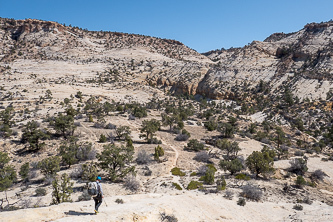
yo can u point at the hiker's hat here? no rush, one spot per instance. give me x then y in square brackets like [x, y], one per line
[98, 178]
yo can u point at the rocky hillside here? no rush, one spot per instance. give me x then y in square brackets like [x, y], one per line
[154, 59]
[302, 61]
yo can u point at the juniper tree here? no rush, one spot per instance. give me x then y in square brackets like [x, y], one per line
[49, 166]
[116, 161]
[64, 124]
[123, 132]
[6, 121]
[231, 148]
[24, 171]
[148, 129]
[7, 174]
[62, 189]
[261, 162]
[33, 135]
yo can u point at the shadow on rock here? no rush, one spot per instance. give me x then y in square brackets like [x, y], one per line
[75, 213]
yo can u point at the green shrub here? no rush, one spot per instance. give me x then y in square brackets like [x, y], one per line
[300, 181]
[194, 145]
[40, 192]
[119, 201]
[24, 171]
[102, 138]
[193, 174]
[49, 166]
[232, 166]
[242, 176]
[298, 207]
[212, 167]
[84, 196]
[221, 184]
[241, 202]
[208, 178]
[177, 186]
[159, 150]
[177, 172]
[194, 185]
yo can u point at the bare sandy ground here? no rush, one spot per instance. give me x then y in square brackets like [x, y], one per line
[185, 206]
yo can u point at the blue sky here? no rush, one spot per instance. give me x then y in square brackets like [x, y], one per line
[201, 25]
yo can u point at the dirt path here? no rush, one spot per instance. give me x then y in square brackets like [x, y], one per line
[92, 133]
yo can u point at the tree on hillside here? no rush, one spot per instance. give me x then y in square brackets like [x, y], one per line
[64, 124]
[169, 120]
[116, 161]
[123, 132]
[33, 135]
[261, 162]
[62, 189]
[7, 174]
[148, 129]
[231, 148]
[6, 121]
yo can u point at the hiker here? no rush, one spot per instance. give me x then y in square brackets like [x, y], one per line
[99, 198]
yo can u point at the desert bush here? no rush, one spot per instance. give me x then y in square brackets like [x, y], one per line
[154, 140]
[24, 171]
[159, 151]
[84, 196]
[209, 176]
[119, 201]
[40, 192]
[89, 172]
[182, 137]
[194, 145]
[115, 160]
[300, 181]
[49, 166]
[232, 166]
[76, 172]
[298, 207]
[131, 183]
[168, 218]
[202, 156]
[110, 126]
[298, 153]
[177, 186]
[143, 157]
[177, 172]
[202, 170]
[102, 138]
[307, 200]
[193, 174]
[85, 152]
[251, 192]
[242, 176]
[211, 125]
[261, 162]
[231, 148]
[221, 184]
[241, 202]
[62, 189]
[229, 194]
[194, 185]
[318, 175]
[26, 203]
[33, 174]
[298, 166]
